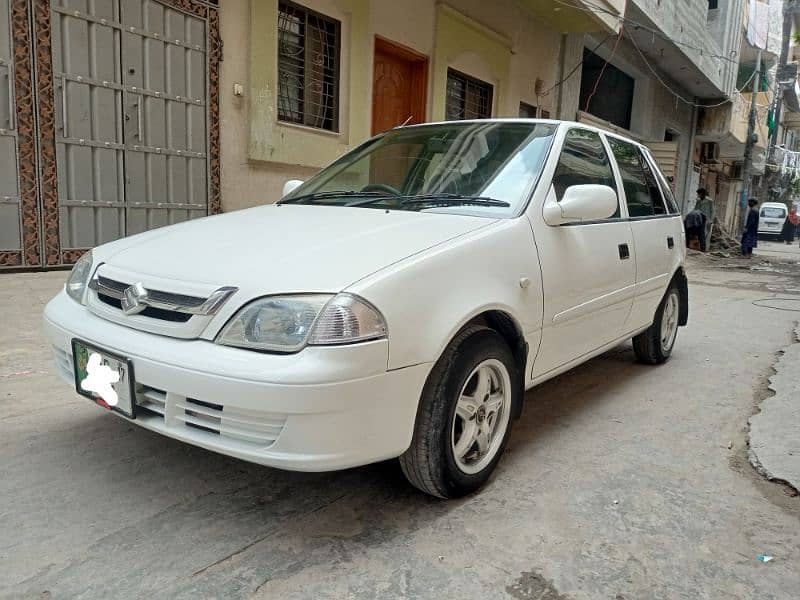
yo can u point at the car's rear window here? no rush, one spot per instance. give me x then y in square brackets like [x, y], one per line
[771, 212]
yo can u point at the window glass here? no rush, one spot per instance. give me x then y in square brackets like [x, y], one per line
[652, 186]
[634, 181]
[485, 158]
[527, 111]
[666, 192]
[467, 97]
[308, 67]
[773, 213]
[583, 161]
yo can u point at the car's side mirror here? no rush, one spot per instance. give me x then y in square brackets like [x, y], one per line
[291, 186]
[581, 203]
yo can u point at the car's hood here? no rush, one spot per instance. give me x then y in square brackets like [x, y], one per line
[286, 248]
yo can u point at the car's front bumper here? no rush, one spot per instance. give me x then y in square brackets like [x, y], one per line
[323, 408]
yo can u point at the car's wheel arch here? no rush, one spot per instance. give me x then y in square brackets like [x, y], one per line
[680, 281]
[508, 327]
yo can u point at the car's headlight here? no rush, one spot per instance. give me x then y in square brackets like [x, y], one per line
[79, 277]
[288, 323]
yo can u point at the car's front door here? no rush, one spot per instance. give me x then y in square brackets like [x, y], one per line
[588, 268]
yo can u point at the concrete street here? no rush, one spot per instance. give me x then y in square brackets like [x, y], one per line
[621, 481]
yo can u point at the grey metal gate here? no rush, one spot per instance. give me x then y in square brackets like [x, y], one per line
[10, 208]
[130, 85]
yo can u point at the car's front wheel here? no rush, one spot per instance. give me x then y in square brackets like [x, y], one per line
[654, 345]
[464, 418]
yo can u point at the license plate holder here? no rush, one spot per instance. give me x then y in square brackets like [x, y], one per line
[124, 388]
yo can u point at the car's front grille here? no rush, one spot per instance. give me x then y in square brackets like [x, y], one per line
[154, 313]
[245, 426]
[110, 292]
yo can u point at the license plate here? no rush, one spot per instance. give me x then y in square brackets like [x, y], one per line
[104, 378]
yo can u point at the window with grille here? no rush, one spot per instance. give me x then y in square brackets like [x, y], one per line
[527, 111]
[467, 97]
[308, 67]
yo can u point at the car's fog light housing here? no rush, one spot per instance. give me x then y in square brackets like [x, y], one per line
[347, 319]
[79, 278]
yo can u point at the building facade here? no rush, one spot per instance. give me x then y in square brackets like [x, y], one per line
[125, 115]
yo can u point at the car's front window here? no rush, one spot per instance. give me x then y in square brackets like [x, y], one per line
[478, 167]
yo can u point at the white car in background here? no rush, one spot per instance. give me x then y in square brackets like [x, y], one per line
[397, 304]
[771, 218]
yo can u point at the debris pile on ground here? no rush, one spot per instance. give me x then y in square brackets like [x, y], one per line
[722, 243]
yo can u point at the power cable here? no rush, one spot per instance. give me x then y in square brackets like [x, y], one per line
[637, 25]
[574, 69]
[603, 70]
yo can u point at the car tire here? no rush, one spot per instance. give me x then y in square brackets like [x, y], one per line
[654, 345]
[456, 405]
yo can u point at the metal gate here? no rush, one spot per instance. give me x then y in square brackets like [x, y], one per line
[118, 122]
[130, 79]
[10, 206]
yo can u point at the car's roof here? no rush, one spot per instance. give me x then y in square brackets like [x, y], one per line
[775, 204]
[556, 122]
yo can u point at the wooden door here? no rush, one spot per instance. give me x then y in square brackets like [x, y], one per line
[399, 86]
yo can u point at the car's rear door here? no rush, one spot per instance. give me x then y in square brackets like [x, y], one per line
[656, 228]
[588, 268]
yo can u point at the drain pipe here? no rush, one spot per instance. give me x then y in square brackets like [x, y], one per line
[689, 166]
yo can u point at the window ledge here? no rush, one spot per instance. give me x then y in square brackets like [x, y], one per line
[308, 129]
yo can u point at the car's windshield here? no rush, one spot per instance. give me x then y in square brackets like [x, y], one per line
[773, 212]
[477, 167]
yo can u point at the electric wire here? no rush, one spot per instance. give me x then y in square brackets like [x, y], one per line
[603, 69]
[594, 8]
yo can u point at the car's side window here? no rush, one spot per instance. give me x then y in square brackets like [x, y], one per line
[638, 192]
[666, 192]
[659, 207]
[583, 160]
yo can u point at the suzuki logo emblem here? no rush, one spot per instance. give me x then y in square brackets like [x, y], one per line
[133, 299]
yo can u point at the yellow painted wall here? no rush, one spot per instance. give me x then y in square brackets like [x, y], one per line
[467, 45]
[502, 42]
[291, 144]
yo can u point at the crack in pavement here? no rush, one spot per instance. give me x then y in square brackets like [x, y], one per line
[773, 440]
[246, 547]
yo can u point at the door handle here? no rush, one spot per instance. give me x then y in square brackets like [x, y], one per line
[11, 115]
[64, 107]
[670, 242]
[139, 119]
[624, 252]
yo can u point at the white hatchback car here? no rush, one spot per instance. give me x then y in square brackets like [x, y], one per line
[397, 304]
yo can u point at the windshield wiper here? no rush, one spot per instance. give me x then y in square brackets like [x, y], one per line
[442, 199]
[313, 197]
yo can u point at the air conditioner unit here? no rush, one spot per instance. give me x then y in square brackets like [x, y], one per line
[709, 153]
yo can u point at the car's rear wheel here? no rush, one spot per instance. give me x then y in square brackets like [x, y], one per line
[654, 345]
[464, 418]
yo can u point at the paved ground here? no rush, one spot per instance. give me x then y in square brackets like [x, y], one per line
[621, 481]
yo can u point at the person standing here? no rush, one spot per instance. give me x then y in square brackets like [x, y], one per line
[705, 204]
[750, 234]
[790, 226]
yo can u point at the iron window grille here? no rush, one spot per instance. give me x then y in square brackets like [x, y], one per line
[308, 67]
[467, 97]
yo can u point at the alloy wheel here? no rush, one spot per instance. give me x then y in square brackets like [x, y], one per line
[482, 416]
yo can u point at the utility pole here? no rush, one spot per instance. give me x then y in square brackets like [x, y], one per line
[747, 169]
